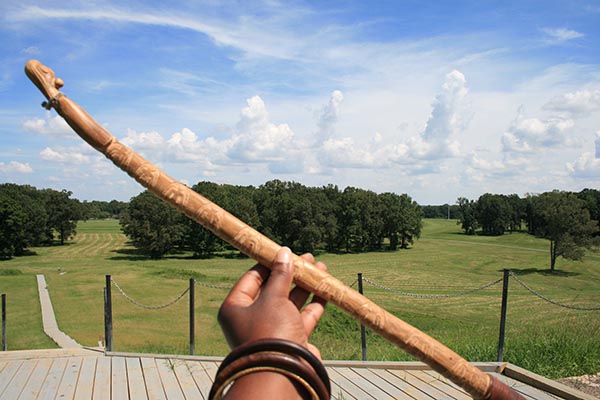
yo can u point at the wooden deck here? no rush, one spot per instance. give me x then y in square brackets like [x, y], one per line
[88, 374]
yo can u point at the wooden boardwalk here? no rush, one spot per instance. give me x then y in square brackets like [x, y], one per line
[88, 374]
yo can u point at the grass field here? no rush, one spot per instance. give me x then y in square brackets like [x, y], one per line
[542, 337]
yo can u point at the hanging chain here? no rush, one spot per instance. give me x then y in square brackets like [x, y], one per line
[556, 303]
[432, 296]
[133, 301]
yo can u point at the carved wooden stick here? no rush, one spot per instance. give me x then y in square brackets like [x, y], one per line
[262, 249]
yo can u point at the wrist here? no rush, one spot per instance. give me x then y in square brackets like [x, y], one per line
[271, 366]
[264, 385]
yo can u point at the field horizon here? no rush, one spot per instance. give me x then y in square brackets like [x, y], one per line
[423, 285]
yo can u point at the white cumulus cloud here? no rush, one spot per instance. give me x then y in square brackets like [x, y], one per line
[446, 122]
[65, 156]
[51, 125]
[143, 140]
[588, 164]
[257, 138]
[526, 135]
[15, 166]
[581, 102]
[329, 116]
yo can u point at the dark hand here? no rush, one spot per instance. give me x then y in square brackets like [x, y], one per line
[261, 305]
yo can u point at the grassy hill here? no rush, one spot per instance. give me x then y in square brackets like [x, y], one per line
[548, 339]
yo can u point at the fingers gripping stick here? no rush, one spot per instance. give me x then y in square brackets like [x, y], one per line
[261, 248]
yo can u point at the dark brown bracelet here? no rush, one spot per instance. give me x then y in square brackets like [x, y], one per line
[274, 355]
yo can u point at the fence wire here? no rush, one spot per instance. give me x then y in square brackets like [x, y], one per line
[556, 303]
[431, 296]
[147, 307]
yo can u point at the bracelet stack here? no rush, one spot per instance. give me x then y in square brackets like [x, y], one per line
[273, 355]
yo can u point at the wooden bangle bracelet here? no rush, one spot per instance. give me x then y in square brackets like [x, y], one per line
[274, 355]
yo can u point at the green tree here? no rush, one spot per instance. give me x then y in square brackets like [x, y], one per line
[33, 228]
[493, 214]
[562, 218]
[516, 211]
[154, 227]
[63, 213]
[13, 239]
[202, 242]
[466, 215]
[360, 223]
[591, 197]
[402, 219]
[411, 222]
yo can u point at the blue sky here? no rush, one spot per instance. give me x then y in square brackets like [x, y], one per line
[434, 99]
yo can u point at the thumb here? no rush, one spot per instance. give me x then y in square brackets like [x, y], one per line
[282, 274]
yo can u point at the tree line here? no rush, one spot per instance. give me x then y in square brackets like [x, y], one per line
[304, 218]
[33, 217]
[570, 221]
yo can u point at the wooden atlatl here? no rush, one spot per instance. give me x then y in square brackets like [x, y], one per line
[262, 249]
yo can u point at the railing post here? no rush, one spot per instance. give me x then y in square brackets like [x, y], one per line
[3, 322]
[192, 319]
[363, 337]
[503, 314]
[108, 342]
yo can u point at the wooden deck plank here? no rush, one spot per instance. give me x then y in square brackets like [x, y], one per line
[154, 385]
[137, 385]
[7, 374]
[53, 379]
[48, 353]
[169, 380]
[17, 384]
[525, 390]
[118, 378]
[348, 386]
[85, 380]
[458, 391]
[398, 381]
[362, 380]
[102, 379]
[203, 373]
[418, 384]
[394, 390]
[186, 380]
[66, 390]
[36, 379]
[82, 376]
[557, 389]
[438, 383]
[337, 393]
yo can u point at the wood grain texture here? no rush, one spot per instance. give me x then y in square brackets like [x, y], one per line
[256, 245]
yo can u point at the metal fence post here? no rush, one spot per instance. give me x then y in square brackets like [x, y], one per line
[503, 314]
[3, 322]
[363, 337]
[192, 319]
[108, 342]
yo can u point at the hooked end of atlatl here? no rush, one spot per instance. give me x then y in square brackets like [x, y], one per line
[44, 78]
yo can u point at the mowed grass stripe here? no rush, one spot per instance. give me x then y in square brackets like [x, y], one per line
[92, 241]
